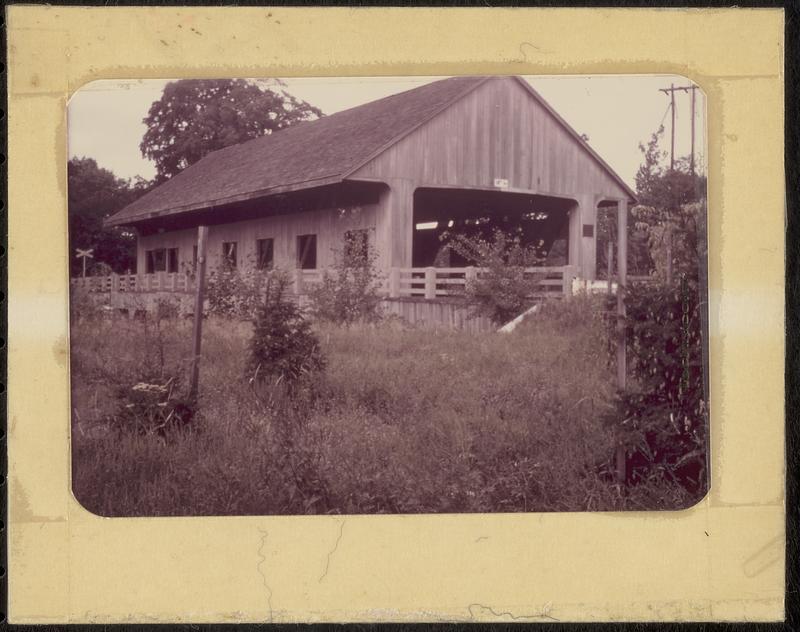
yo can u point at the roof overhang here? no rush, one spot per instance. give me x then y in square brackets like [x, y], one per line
[117, 220]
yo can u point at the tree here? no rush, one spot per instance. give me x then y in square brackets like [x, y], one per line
[196, 116]
[661, 417]
[504, 289]
[283, 348]
[350, 292]
[94, 194]
[670, 211]
[662, 194]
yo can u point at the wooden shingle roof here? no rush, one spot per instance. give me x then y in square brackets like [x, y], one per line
[309, 154]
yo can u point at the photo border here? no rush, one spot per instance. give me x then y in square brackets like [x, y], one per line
[431, 569]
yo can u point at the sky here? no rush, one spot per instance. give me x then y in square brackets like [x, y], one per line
[616, 112]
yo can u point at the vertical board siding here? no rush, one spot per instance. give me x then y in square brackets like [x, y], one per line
[436, 314]
[497, 131]
[328, 224]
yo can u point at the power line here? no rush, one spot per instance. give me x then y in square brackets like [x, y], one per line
[671, 92]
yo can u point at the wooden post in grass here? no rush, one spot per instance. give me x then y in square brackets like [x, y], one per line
[430, 283]
[199, 298]
[622, 278]
[668, 236]
[567, 277]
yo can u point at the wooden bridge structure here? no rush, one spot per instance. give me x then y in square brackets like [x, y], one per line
[429, 296]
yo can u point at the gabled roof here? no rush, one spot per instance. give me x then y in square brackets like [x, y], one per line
[309, 154]
[313, 153]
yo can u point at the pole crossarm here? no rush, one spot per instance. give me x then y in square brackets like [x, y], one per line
[671, 92]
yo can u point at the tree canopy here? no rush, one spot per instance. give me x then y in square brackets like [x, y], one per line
[664, 196]
[95, 193]
[196, 116]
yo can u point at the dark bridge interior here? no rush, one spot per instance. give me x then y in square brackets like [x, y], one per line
[440, 214]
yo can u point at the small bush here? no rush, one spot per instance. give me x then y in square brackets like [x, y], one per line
[283, 347]
[349, 292]
[82, 306]
[235, 293]
[503, 290]
[159, 325]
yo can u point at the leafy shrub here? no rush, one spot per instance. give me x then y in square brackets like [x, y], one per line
[82, 306]
[158, 326]
[283, 347]
[503, 290]
[152, 406]
[234, 292]
[683, 227]
[349, 292]
[664, 410]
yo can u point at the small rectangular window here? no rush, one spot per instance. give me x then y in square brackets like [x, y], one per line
[356, 245]
[264, 251]
[156, 261]
[588, 230]
[229, 253]
[172, 260]
[307, 252]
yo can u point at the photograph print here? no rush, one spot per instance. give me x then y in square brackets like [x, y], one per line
[388, 295]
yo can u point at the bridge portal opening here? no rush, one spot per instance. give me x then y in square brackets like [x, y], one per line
[440, 214]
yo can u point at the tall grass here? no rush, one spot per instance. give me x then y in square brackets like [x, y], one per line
[403, 420]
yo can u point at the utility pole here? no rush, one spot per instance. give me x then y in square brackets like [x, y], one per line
[197, 333]
[672, 127]
[671, 92]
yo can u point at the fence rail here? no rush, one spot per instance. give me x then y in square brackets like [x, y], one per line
[158, 282]
[429, 283]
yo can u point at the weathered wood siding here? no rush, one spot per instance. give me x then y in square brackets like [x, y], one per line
[499, 130]
[436, 314]
[329, 225]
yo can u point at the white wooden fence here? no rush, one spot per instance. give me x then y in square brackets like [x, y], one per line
[427, 283]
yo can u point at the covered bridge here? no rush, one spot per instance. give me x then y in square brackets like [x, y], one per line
[462, 154]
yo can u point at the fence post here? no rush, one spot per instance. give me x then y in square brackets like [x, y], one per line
[199, 299]
[567, 275]
[669, 253]
[394, 282]
[470, 275]
[298, 280]
[430, 282]
[114, 283]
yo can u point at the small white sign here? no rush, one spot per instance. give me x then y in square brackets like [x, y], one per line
[501, 183]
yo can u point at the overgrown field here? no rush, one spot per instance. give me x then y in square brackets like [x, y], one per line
[402, 420]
